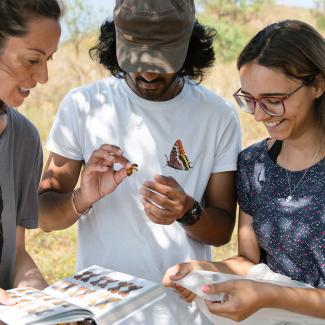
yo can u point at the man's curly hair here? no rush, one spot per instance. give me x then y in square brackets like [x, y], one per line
[200, 55]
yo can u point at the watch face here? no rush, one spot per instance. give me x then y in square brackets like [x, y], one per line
[191, 217]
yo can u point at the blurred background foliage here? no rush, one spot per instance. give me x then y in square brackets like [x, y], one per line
[236, 21]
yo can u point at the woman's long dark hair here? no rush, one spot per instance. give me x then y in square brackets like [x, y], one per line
[200, 55]
[293, 47]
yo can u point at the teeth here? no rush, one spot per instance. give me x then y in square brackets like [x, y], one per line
[24, 89]
[272, 124]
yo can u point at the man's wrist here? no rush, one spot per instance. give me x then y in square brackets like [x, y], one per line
[78, 206]
[192, 216]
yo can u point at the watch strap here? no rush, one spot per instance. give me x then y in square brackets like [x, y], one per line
[192, 216]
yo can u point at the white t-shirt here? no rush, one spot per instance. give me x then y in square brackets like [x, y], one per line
[117, 233]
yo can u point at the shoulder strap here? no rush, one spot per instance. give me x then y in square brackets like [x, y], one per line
[274, 151]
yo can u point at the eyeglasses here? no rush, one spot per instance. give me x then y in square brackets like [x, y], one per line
[272, 105]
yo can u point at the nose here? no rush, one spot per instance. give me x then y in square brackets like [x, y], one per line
[149, 76]
[259, 114]
[41, 75]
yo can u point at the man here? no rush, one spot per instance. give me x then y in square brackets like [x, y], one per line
[183, 138]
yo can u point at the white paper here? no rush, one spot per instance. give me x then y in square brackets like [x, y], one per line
[267, 316]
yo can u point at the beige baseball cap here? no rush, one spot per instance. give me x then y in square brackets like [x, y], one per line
[153, 35]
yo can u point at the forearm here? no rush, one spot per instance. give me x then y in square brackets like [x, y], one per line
[214, 227]
[26, 272]
[56, 211]
[299, 300]
[235, 265]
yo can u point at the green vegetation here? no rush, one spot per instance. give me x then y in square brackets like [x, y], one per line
[319, 13]
[228, 17]
[235, 24]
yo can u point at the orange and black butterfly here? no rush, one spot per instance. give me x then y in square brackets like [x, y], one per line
[177, 158]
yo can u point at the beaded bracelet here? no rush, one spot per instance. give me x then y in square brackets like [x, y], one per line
[74, 205]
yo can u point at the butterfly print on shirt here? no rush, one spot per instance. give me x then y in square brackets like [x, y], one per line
[177, 158]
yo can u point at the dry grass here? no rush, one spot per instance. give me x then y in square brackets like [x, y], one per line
[55, 252]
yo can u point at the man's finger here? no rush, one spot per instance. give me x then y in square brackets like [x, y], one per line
[166, 180]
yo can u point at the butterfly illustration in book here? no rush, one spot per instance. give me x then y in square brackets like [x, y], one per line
[178, 158]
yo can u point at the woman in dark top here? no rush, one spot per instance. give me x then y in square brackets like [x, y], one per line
[29, 35]
[281, 180]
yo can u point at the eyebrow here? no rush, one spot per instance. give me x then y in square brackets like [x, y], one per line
[37, 50]
[41, 51]
[264, 94]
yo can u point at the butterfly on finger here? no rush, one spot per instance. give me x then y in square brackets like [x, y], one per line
[177, 157]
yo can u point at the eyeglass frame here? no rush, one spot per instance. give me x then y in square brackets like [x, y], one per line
[257, 100]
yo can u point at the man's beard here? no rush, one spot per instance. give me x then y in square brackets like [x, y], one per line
[155, 94]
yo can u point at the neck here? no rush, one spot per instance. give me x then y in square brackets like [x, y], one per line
[302, 152]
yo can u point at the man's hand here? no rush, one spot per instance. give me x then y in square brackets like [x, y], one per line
[242, 298]
[169, 203]
[98, 177]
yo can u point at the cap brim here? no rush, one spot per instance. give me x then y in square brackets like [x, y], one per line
[139, 58]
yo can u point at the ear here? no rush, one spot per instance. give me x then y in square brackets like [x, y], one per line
[319, 86]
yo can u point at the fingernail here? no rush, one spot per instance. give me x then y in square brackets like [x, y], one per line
[142, 191]
[205, 288]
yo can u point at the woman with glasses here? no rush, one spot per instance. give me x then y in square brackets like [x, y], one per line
[281, 180]
[29, 35]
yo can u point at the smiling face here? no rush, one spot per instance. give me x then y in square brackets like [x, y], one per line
[23, 60]
[258, 81]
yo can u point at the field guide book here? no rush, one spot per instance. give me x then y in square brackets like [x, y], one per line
[96, 293]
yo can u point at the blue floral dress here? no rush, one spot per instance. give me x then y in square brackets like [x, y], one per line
[292, 232]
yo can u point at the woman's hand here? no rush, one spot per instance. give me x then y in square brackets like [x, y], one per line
[5, 299]
[242, 298]
[179, 271]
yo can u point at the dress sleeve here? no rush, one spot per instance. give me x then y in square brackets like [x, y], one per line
[64, 137]
[243, 184]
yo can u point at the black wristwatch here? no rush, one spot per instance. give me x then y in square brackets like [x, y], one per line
[192, 216]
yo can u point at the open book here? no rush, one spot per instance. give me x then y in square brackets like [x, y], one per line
[95, 293]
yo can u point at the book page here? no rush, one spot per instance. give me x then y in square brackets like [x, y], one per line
[34, 306]
[105, 291]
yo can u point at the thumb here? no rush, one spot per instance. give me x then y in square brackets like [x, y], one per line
[222, 287]
[180, 272]
[175, 273]
[120, 174]
[5, 299]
